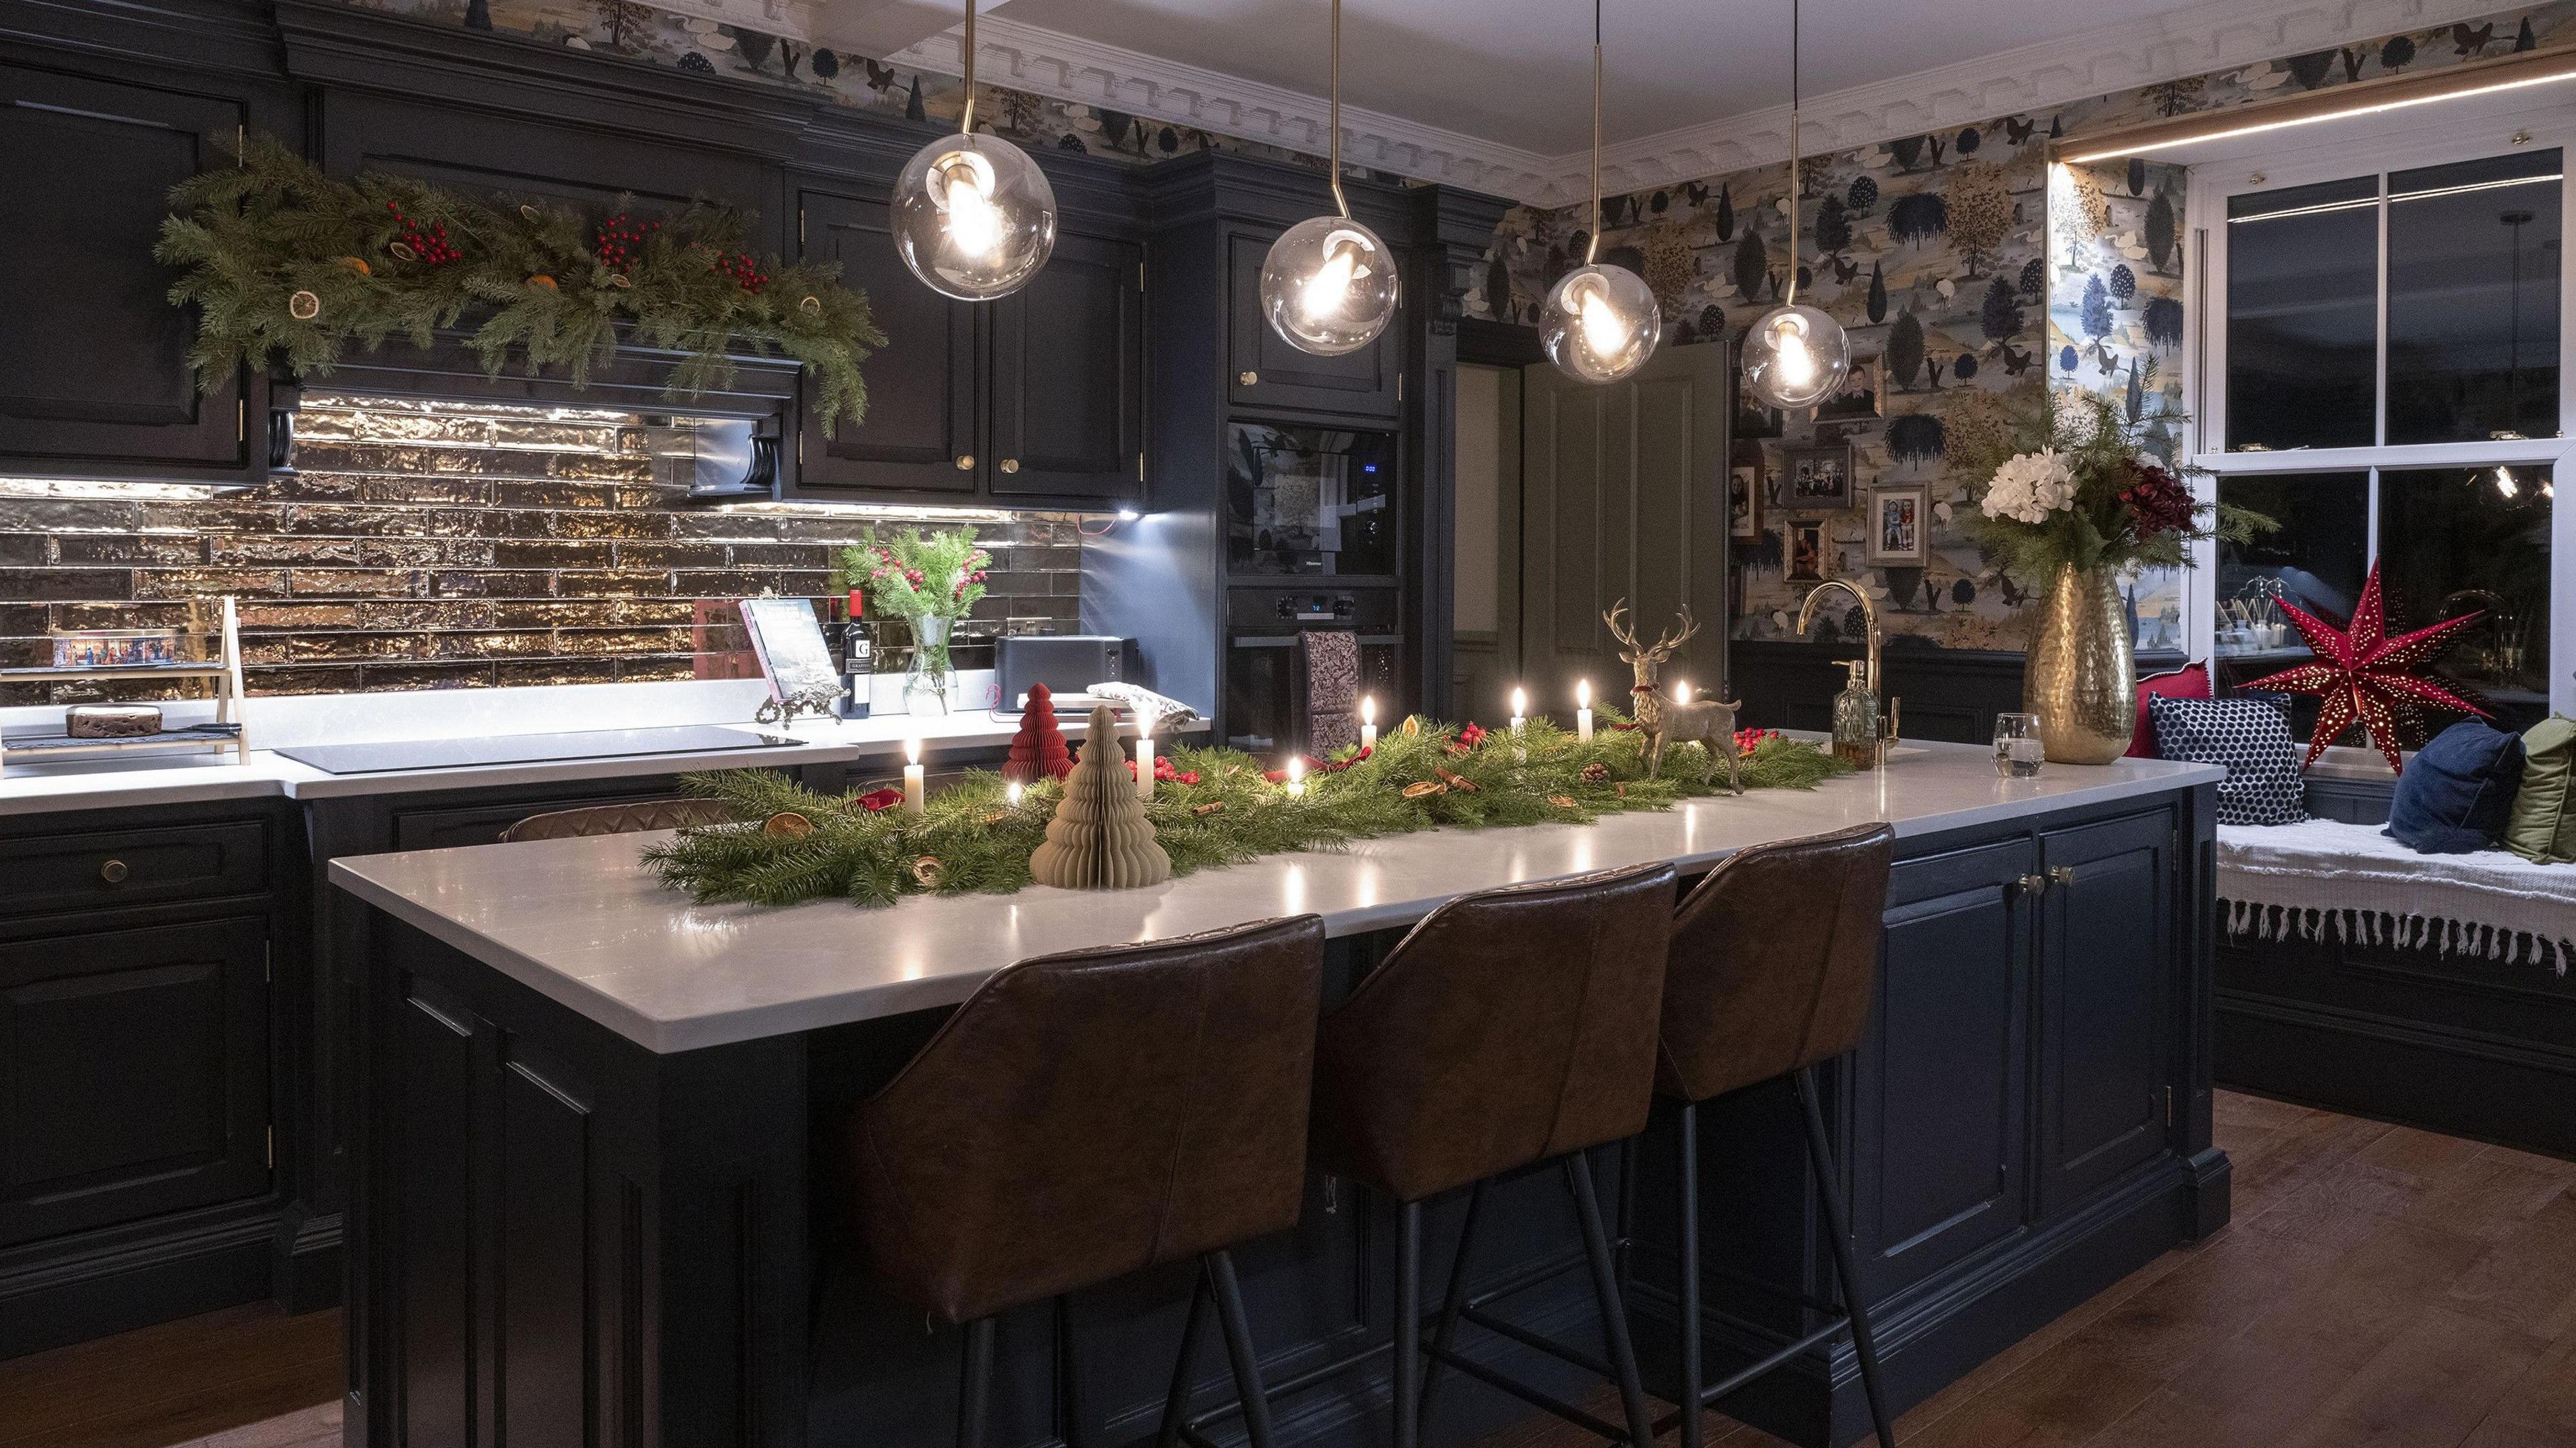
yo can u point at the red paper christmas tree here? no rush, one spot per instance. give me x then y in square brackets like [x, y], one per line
[1037, 751]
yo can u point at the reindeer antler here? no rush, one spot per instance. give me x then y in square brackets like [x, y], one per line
[1623, 635]
[1668, 641]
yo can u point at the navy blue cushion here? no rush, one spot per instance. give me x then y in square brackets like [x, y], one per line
[2457, 793]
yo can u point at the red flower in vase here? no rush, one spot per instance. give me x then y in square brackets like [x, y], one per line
[2158, 501]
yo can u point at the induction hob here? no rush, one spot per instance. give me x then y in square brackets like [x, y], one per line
[527, 748]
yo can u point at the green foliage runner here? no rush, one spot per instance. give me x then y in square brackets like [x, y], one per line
[971, 838]
[281, 260]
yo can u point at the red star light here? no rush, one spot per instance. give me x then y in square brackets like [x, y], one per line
[2362, 673]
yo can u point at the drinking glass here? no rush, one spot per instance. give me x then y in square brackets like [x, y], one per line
[2018, 747]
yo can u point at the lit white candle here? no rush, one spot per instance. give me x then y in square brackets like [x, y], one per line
[1011, 793]
[1368, 721]
[1583, 710]
[1144, 757]
[1520, 709]
[1297, 775]
[1681, 692]
[915, 791]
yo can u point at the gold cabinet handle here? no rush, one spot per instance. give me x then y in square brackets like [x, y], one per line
[1010, 465]
[113, 872]
[1248, 379]
[965, 462]
[2062, 875]
[2031, 884]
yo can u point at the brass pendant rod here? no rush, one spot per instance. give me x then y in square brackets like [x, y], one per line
[966, 121]
[1341, 203]
[1592, 248]
[1790, 299]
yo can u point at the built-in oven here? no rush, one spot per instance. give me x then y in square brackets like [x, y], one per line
[1309, 502]
[1266, 664]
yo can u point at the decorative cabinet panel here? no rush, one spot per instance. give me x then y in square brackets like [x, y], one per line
[137, 1078]
[1264, 371]
[1941, 1085]
[2108, 927]
[923, 385]
[1036, 398]
[1067, 362]
[94, 372]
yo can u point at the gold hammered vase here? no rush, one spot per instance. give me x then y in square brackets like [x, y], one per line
[2081, 678]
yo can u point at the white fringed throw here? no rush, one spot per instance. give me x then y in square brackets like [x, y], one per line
[2322, 877]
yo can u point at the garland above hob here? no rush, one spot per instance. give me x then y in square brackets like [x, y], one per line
[283, 261]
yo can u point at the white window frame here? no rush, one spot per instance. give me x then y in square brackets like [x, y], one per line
[2210, 187]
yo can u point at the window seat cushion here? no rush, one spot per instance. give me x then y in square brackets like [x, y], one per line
[2325, 877]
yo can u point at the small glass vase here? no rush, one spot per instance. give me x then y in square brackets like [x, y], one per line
[929, 685]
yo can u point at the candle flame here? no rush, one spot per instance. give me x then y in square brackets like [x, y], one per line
[912, 750]
[1681, 692]
[1368, 708]
[1583, 693]
[1520, 703]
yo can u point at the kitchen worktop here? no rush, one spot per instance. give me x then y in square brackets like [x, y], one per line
[167, 779]
[583, 921]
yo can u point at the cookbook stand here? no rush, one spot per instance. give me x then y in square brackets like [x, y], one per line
[215, 642]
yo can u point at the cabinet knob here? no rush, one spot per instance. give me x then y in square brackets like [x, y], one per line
[2062, 875]
[2031, 884]
[1010, 465]
[113, 871]
[1248, 379]
[965, 462]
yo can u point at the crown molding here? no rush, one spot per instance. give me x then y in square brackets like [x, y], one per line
[1067, 67]
[2214, 36]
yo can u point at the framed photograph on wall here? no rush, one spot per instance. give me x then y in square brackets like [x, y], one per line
[1744, 502]
[1897, 525]
[1862, 395]
[1817, 476]
[1806, 554]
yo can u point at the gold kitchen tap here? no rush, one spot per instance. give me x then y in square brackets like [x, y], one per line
[1887, 707]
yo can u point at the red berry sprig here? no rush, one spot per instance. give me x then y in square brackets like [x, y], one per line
[743, 269]
[616, 240]
[427, 245]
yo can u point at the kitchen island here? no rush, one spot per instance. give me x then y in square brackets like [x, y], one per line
[598, 1200]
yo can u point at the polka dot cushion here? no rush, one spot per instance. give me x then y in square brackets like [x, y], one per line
[2251, 736]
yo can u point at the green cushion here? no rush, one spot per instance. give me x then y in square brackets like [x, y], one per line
[2542, 827]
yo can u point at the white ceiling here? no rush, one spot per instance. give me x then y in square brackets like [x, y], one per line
[1495, 94]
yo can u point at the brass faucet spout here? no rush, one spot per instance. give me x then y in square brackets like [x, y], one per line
[1869, 618]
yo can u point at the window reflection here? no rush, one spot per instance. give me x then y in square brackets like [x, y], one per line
[2458, 540]
[2303, 316]
[2473, 262]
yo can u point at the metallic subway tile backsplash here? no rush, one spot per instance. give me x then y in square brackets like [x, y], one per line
[445, 545]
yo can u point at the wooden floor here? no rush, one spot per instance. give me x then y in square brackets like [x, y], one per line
[2380, 1287]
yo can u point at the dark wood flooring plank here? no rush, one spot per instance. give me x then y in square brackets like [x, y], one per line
[2430, 1388]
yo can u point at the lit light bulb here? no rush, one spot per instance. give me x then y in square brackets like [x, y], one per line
[974, 217]
[1796, 357]
[1328, 286]
[2505, 483]
[1601, 323]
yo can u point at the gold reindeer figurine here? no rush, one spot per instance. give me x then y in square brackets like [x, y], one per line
[1662, 720]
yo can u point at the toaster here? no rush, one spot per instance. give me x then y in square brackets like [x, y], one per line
[1065, 663]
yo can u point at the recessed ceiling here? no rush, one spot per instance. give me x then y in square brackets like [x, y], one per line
[1518, 72]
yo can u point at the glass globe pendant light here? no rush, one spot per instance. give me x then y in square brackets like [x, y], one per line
[1601, 321]
[1795, 356]
[974, 217]
[1328, 285]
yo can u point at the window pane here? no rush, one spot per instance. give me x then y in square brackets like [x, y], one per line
[2453, 540]
[2303, 316]
[2473, 264]
[2316, 559]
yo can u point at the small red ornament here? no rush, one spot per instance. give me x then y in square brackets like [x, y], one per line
[1037, 750]
[880, 799]
[1472, 734]
[2361, 672]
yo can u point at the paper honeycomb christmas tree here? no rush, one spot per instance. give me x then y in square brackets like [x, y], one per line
[1100, 838]
[1037, 751]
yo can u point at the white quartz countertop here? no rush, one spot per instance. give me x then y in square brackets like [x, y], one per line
[180, 779]
[584, 922]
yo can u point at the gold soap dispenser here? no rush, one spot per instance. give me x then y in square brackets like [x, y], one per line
[1856, 731]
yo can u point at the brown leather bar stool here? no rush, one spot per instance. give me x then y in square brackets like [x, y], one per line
[1088, 1115]
[1774, 963]
[1509, 1029]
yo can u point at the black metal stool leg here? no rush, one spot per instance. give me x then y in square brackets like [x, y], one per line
[1070, 1427]
[1820, 1155]
[1238, 1348]
[1614, 1314]
[1444, 1336]
[1176, 1406]
[1408, 1326]
[975, 1384]
[1692, 1411]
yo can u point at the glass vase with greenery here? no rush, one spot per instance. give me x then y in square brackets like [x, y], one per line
[929, 580]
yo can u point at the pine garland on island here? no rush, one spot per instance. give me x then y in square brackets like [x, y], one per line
[282, 261]
[1216, 807]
